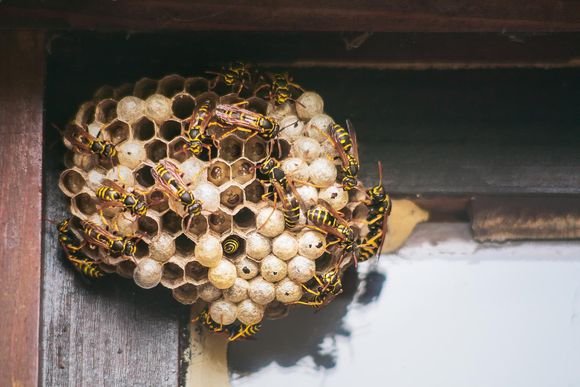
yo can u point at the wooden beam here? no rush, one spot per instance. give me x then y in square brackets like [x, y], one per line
[21, 112]
[278, 15]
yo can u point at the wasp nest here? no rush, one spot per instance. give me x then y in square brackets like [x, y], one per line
[237, 255]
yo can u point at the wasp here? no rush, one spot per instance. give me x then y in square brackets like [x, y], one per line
[114, 244]
[380, 205]
[83, 141]
[85, 265]
[195, 135]
[230, 245]
[114, 195]
[206, 321]
[243, 331]
[344, 142]
[67, 238]
[237, 76]
[168, 176]
[72, 246]
[283, 189]
[247, 121]
[329, 221]
[280, 88]
[329, 286]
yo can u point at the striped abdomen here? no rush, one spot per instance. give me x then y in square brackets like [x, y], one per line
[342, 137]
[321, 217]
[243, 331]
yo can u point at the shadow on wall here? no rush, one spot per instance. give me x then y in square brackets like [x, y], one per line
[302, 333]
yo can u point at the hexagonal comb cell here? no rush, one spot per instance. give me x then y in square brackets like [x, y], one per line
[156, 150]
[172, 275]
[106, 111]
[196, 86]
[144, 129]
[198, 225]
[230, 99]
[280, 149]
[145, 88]
[177, 149]
[142, 249]
[171, 222]
[257, 105]
[254, 192]
[220, 222]
[103, 92]
[71, 182]
[195, 271]
[147, 226]
[170, 129]
[182, 106]
[243, 171]
[232, 197]
[245, 218]
[116, 132]
[123, 91]
[184, 246]
[324, 263]
[126, 269]
[186, 294]
[218, 173]
[85, 204]
[233, 246]
[171, 85]
[276, 310]
[230, 148]
[86, 113]
[256, 149]
[346, 213]
[143, 176]
[157, 201]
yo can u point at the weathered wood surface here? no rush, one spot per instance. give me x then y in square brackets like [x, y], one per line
[21, 109]
[330, 49]
[105, 333]
[328, 15]
[498, 219]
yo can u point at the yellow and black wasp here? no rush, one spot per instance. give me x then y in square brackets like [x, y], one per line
[329, 221]
[116, 245]
[196, 139]
[243, 331]
[72, 246]
[329, 285]
[206, 321]
[380, 205]
[82, 141]
[113, 195]
[246, 121]
[168, 176]
[281, 88]
[345, 144]
[236, 75]
[283, 189]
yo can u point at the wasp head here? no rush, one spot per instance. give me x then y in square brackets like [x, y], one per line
[129, 248]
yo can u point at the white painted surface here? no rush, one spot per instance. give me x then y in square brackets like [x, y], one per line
[454, 313]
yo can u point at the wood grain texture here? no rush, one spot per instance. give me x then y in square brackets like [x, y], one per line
[21, 109]
[108, 332]
[498, 219]
[279, 15]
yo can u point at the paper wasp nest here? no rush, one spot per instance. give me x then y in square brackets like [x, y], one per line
[265, 273]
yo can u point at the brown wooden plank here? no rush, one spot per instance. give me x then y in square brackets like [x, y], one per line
[21, 110]
[499, 219]
[328, 15]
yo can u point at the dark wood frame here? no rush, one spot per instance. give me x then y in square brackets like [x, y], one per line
[22, 82]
